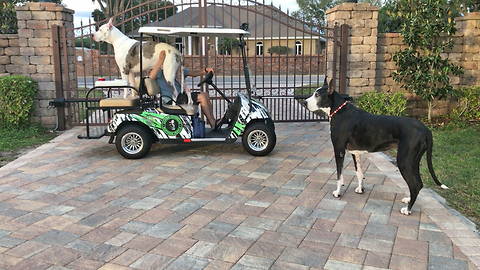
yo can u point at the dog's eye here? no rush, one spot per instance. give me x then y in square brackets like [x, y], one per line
[316, 94]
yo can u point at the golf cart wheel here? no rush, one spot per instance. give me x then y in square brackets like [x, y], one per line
[258, 139]
[133, 142]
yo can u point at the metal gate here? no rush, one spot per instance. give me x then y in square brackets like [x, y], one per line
[287, 56]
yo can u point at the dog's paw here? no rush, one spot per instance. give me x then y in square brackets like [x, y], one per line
[406, 200]
[336, 194]
[405, 211]
[359, 190]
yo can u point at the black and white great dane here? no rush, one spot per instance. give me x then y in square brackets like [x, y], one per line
[360, 132]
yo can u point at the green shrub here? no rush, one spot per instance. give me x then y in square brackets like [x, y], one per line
[279, 50]
[468, 103]
[383, 103]
[17, 95]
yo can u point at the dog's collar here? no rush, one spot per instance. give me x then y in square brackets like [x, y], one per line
[338, 109]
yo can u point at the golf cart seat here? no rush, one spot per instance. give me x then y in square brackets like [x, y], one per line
[118, 101]
[153, 89]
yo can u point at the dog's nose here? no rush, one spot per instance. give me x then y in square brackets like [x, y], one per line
[305, 102]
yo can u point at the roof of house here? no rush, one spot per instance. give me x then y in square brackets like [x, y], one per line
[264, 21]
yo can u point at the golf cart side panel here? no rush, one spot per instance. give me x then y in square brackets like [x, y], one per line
[259, 111]
[164, 126]
[245, 116]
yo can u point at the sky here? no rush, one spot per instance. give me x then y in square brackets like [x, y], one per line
[84, 8]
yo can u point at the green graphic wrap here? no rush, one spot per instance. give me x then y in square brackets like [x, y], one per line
[149, 119]
[238, 128]
[172, 125]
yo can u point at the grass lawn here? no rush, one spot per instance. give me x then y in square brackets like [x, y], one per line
[14, 143]
[456, 159]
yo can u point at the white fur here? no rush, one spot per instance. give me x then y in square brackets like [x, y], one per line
[340, 183]
[311, 104]
[359, 189]
[358, 153]
[405, 211]
[122, 44]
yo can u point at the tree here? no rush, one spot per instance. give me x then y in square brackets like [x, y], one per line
[386, 23]
[314, 11]
[427, 27]
[129, 11]
[8, 15]
[111, 7]
[226, 45]
[467, 6]
[8, 19]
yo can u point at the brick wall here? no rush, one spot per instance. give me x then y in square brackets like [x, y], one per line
[30, 52]
[362, 20]
[370, 64]
[9, 54]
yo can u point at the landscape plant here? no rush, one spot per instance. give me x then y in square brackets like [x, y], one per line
[427, 27]
[383, 103]
[279, 50]
[468, 103]
[17, 94]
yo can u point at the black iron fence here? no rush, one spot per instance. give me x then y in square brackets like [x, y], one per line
[287, 56]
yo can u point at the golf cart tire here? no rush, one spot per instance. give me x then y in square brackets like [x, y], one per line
[259, 139]
[133, 141]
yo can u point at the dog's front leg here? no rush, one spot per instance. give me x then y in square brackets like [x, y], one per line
[131, 80]
[125, 77]
[339, 157]
[358, 169]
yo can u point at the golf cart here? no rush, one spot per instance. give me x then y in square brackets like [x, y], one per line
[136, 123]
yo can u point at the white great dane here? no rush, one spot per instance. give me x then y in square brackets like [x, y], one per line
[127, 56]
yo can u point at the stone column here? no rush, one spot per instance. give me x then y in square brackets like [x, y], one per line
[362, 20]
[35, 21]
[466, 51]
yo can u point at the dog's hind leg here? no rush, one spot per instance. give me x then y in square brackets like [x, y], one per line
[408, 160]
[358, 169]
[185, 87]
[125, 77]
[339, 158]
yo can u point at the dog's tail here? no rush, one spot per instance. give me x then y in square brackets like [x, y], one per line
[429, 160]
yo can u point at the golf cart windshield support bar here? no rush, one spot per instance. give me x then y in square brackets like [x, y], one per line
[241, 44]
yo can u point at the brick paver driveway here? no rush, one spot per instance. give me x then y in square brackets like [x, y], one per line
[76, 204]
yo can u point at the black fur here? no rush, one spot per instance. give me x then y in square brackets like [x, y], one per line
[355, 129]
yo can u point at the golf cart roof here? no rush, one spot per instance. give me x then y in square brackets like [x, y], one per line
[195, 31]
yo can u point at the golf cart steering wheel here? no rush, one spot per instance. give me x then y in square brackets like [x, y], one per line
[206, 79]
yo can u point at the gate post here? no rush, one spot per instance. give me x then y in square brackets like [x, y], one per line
[361, 48]
[35, 23]
[343, 59]
[58, 75]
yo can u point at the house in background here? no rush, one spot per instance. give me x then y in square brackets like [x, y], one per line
[270, 29]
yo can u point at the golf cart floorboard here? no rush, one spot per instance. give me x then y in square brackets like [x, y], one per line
[94, 133]
[221, 133]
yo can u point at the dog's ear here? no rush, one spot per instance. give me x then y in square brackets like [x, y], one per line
[325, 81]
[330, 87]
[110, 23]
